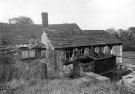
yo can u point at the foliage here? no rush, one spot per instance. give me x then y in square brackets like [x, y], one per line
[6, 60]
[126, 36]
[6, 72]
[28, 70]
[21, 20]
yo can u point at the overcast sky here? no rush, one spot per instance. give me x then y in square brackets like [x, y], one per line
[88, 14]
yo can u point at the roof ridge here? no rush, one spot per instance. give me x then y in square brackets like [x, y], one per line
[39, 24]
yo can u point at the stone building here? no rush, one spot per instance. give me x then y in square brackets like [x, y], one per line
[63, 40]
[61, 45]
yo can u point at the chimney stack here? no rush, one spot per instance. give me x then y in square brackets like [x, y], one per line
[44, 19]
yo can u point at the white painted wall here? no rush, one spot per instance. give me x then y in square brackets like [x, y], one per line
[117, 51]
[46, 41]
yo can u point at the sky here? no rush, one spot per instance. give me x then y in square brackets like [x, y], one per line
[88, 14]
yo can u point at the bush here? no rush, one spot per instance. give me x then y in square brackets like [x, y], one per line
[6, 72]
[31, 69]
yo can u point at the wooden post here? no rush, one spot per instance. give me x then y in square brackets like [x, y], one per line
[44, 67]
[76, 70]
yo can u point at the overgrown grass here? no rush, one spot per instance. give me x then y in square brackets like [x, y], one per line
[130, 57]
[63, 86]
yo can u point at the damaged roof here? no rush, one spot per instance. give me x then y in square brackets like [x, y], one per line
[20, 33]
[60, 35]
[80, 38]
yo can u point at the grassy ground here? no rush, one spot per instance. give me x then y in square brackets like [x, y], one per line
[129, 57]
[63, 86]
[68, 86]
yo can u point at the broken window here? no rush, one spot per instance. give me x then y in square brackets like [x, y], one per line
[91, 50]
[105, 51]
[97, 49]
[80, 51]
[27, 53]
[110, 49]
[24, 54]
[31, 53]
[101, 49]
[86, 51]
[38, 53]
[68, 54]
[43, 53]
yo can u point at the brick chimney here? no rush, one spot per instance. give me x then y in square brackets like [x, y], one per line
[44, 19]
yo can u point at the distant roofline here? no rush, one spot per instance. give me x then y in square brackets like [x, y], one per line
[37, 24]
[93, 30]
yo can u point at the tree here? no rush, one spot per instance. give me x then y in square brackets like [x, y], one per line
[132, 29]
[113, 31]
[21, 20]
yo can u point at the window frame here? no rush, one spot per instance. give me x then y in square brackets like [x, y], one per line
[43, 53]
[33, 53]
[81, 51]
[96, 49]
[68, 53]
[24, 54]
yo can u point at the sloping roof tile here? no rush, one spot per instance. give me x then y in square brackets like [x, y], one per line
[20, 33]
[60, 35]
[82, 38]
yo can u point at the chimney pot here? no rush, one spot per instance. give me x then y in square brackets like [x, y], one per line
[44, 19]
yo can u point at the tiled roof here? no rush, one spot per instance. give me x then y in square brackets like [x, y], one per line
[60, 35]
[81, 38]
[20, 33]
[64, 28]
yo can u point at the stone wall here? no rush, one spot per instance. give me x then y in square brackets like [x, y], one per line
[117, 51]
[50, 56]
[59, 62]
[68, 69]
[55, 58]
[51, 63]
